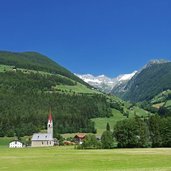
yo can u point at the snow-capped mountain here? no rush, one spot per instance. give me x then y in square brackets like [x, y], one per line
[105, 83]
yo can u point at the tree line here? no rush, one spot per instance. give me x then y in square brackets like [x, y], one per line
[134, 132]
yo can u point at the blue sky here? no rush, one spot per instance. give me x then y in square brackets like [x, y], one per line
[108, 37]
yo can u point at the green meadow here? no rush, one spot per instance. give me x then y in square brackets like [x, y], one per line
[79, 88]
[70, 159]
[100, 123]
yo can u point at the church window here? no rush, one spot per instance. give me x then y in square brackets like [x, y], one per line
[42, 142]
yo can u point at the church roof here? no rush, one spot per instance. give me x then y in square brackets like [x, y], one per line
[50, 116]
[42, 137]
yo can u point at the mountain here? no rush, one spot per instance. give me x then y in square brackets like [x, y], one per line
[149, 81]
[105, 83]
[31, 83]
[35, 61]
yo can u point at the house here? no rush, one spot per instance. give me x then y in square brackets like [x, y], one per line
[15, 144]
[44, 139]
[79, 138]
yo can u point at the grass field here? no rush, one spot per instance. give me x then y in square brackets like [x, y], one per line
[168, 104]
[100, 123]
[5, 68]
[79, 88]
[69, 159]
[158, 105]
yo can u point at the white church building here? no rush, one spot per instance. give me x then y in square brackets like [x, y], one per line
[44, 139]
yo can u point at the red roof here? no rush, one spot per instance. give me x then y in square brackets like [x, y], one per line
[50, 116]
[80, 135]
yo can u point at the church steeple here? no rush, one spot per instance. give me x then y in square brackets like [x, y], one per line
[50, 117]
[50, 124]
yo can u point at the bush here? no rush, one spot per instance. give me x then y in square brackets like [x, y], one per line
[90, 142]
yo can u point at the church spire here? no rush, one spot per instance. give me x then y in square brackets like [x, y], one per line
[50, 116]
[50, 124]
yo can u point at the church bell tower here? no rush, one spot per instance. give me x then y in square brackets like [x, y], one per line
[50, 124]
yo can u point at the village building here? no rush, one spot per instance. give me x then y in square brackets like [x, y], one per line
[44, 139]
[15, 144]
[79, 138]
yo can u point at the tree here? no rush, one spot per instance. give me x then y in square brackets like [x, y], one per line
[59, 138]
[107, 127]
[165, 131]
[155, 134]
[131, 133]
[107, 140]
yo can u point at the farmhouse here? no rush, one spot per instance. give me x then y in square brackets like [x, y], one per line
[15, 144]
[79, 138]
[44, 139]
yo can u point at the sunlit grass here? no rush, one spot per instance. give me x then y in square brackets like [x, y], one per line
[79, 88]
[69, 159]
[100, 123]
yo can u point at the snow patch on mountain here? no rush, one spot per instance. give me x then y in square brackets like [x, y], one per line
[125, 77]
[105, 83]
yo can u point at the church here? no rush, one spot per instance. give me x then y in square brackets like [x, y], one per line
[44, 139]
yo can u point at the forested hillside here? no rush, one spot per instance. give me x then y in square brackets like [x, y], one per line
[147, 83]
[29, 90]
[35, 61]
[31, 84]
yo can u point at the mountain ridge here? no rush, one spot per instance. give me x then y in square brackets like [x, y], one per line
[105, 83]
[147, 82]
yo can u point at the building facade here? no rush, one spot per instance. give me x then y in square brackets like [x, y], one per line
[79, 138]
[15, 144]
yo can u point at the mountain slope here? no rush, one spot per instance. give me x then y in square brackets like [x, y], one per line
[35, 61]
[27, 92]
[154, 78]
[30, 84]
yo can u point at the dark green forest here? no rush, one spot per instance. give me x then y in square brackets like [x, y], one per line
[142, 132]
[26, 99]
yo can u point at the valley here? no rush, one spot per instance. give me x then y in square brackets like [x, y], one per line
[28, 91]
[85, 85]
